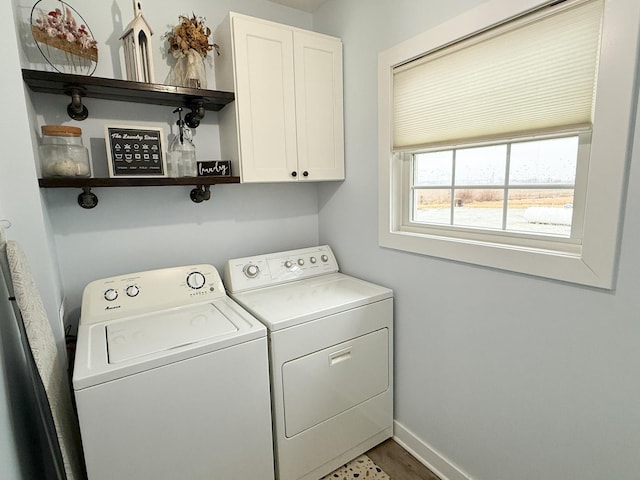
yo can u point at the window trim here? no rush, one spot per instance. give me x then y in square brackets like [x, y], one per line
[594, 263]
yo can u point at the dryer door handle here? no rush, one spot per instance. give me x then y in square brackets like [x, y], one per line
[340, 356]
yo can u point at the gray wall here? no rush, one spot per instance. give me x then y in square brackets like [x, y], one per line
[506, 376]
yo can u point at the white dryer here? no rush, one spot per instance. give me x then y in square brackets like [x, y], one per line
[171, 380]
[331, 351]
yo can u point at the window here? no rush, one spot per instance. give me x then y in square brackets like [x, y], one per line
[525, 188]
[504, 136]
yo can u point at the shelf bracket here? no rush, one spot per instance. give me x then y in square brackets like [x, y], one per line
[192, 119]
[87, 199]
[200, 193]
[76, 109]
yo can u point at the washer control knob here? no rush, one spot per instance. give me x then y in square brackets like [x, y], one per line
[251, 270]
[110, 295]
[288, 264]
[313, 260]
[133, 290]
[324, 258]
[300, 262]
[195, 280]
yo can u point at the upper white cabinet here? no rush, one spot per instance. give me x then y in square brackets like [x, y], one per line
[287, 121]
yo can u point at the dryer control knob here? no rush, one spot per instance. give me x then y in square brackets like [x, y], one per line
[324, 258]
[110, 295]
[251, 270]
[132, 290]
[288, 264]
[196, 280]
[300, 262]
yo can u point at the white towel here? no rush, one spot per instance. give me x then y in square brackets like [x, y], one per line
[48, 361]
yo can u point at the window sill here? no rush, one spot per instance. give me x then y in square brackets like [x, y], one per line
[563, 266]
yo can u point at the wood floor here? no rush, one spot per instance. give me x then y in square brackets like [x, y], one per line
[398, 463]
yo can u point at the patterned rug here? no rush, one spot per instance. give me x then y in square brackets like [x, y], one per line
[360, 468]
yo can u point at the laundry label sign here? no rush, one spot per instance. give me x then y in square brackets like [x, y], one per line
[218, 168]
[135, 151]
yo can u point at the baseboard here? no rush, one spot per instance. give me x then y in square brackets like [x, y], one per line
[426, 455]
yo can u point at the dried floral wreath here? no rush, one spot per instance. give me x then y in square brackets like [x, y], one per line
[61, 30]
[190, 34]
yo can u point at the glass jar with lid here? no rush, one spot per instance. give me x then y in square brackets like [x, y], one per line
[62, 153]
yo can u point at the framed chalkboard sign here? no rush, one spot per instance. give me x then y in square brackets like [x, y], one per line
[135, 151]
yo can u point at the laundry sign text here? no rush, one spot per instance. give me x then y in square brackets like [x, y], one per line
[218, 168]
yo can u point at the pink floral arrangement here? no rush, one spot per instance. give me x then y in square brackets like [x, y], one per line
[57, 27]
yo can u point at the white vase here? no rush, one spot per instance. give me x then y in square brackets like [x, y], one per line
[189, 71]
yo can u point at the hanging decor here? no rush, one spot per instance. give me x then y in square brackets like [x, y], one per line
[189, 45]
[136, 41]
[63, 37]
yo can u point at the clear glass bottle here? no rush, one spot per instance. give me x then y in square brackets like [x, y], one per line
[62, 153]
[174, 157]
[182, 152]
[188, 165]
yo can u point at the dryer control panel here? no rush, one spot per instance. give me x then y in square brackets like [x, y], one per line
[248, 273]
[150, 291]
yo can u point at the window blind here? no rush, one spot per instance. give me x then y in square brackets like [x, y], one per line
[536, 73]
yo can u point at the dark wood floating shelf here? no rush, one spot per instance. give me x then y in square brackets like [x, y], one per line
[54, 182]
[87, 199]
[125, 90]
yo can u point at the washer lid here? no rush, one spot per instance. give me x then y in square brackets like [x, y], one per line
[139, 336]
[286, 305]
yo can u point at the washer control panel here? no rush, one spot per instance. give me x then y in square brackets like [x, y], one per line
[274, 268]
[150, 291]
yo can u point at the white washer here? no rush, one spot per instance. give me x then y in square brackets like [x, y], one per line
[171, 379]
[331, 351]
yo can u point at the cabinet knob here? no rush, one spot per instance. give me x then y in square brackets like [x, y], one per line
[305, 174]
[294, 174]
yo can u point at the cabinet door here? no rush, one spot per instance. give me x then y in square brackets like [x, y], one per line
[318, 76]
[265, 105]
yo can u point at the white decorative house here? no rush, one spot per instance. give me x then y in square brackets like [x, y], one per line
[136, 41]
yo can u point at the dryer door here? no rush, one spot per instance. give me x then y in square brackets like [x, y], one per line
[326, 383]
